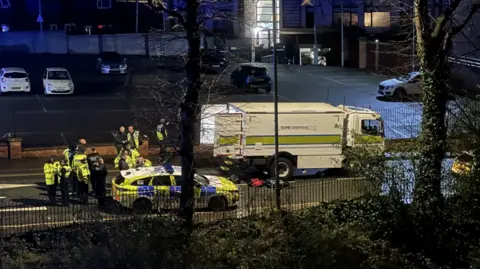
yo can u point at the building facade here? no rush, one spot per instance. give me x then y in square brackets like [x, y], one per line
[103, 16]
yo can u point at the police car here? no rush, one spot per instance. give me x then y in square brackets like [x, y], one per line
[159, 187]
[462, 164]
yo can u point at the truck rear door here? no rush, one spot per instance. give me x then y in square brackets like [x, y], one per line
[228, 134]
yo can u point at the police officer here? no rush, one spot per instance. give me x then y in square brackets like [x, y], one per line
[123, 161]
[56, 165]
[77, 161]
[133, 138]
[49, 170]
[161, 135]
[83, 176]
[120, 139]
[64, 175]
[99, 175]
[92, 160]
[142, 162]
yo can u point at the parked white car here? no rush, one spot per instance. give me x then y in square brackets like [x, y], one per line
[14, 79]
[401, 86]
[57, 80]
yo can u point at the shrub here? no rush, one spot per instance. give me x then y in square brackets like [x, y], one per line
[369, 232]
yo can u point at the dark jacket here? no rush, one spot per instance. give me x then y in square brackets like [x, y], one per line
[92, 158]
[123, 165]
[120, 139]
[99, 174]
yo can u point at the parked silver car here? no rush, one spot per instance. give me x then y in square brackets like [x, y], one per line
[111, 62]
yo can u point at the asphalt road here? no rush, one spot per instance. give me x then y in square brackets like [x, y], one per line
[103, 103]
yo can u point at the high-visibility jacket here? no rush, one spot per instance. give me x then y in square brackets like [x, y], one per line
[134, 138]
[64, 169]
[134, 155]
[161, 132]
[49, 171]
[146, 163]
[77, 161]
[57, 166]
[83, 172]
[66, 154]
[129, 160]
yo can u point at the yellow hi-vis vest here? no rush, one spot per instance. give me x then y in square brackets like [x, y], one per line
[134, 156]
[57, 166]
[67, 168]
[49, 171]
[128, 160]
[66, 154]
[135, 138]
[146, 163]
[160, 135]
[77, 161]
[83, 172]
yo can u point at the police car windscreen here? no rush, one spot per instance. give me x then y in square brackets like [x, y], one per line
[202, 180]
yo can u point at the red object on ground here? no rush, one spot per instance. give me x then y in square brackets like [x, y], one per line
[255, 182]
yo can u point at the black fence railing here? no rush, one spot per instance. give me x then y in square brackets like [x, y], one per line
[36, 213]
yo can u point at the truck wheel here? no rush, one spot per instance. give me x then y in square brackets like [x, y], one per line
[217, 204]
[142, 206]
[285, 169]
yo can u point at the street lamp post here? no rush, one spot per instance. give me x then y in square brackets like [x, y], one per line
[40, 19]
[341, 32]
[275, 87]
[315, 45]
[136, 15]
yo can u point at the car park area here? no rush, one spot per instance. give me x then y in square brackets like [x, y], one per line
[101, 103]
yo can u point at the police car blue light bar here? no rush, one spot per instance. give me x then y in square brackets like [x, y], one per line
[168, 168]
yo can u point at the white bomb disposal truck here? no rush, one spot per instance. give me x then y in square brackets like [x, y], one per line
[312, 136]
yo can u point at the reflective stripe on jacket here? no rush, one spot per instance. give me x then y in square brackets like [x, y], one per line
[49, 171]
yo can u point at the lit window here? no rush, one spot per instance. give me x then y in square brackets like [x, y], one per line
[349, 19]
[4, 3]
[377, 19]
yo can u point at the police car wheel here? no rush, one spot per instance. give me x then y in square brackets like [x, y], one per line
[142, 205]
[217, 203]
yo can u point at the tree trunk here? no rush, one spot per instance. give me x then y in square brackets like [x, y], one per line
[433, 136]
[188, 113]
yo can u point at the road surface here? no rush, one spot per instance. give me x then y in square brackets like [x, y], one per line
[103, 103]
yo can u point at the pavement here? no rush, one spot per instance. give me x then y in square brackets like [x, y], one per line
[148, 92]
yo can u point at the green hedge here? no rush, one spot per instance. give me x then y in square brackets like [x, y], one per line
[362, 233]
